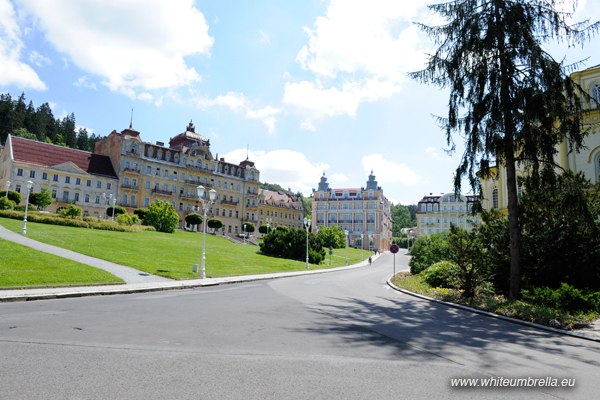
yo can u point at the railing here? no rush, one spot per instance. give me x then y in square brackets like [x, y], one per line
[165, 192]
[132, 170]
[128, 186]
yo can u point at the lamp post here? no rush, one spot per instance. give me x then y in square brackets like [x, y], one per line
[370, 242]
[113, 209]
[106, 201]
[29, 186]
[346, 235]
[6, 186]
[212, 194]
[362, 243]
[307, 226]
[269, 220]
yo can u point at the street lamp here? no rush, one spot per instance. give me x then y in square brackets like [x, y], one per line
[212, 194]
[244, 233]
[307, 226]
[346, 235]
[24, 229]
[106, 201]
[269, 220]
[7, 186]
[113, 210]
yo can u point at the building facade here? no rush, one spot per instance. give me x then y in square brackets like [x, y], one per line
[279, 209]
[73, 176]
[363, 212]
[153, 171]
[587, 161]
[435, 214]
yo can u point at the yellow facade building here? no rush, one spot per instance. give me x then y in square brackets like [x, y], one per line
[435, 214]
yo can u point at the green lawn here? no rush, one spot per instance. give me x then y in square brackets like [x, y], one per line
[171, 255]
[21, 266]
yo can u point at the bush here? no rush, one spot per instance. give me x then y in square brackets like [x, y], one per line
[117, 210]
[444, 274]
[333, 236]
[248, 227]
[127, 219]
[72, 211]
[193, 219]
[262, 229]
[41, 199]
[162, 216]
[427, 250]
[214, 223]
[140, 212]
[291, 244]
[12, 195]
[6, 204]
[566, 298]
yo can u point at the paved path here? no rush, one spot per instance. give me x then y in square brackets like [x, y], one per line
[129, 275]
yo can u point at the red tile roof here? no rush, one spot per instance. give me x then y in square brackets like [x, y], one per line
[47, 155]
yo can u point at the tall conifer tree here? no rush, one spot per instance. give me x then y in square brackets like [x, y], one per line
[509, 99]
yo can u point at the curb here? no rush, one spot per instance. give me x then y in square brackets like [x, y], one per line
[492, 315]
[63, 293]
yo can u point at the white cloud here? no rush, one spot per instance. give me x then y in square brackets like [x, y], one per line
[84, 82]
[388, 172]
[13, 71]
[288, 168]
[135, 45]
[38, 59]
[357, 53]
[239, 104]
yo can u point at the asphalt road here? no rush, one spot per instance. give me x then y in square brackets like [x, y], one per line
[340, 335]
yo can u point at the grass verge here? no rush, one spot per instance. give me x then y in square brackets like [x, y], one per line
[499, 304]
[172, 255]
[21, 266]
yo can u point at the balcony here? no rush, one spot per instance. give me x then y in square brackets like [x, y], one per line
[128, 186]
[131, 170]
[163, 192]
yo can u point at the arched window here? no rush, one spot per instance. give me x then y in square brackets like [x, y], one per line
[495, 198]
[597, 163]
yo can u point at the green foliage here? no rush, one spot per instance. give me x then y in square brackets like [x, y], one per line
[566, 298]
[140, 212]
[116, 210]
[509, 100]
[162, 216]
[248, 227]
[561, 232]
[470, 255]
[332, 236]
[402, 218]
[6, 204]
[193, 219]
[442, 274]
[72, 211]
[41, 199]
[291, 244]
[262, 229]
[12, 195]
[127, 219]
[428, 250]
[214, 223]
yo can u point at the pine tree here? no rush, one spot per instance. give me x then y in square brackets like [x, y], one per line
[509, 99]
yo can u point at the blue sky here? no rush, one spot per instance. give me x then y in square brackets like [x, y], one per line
[308, 86]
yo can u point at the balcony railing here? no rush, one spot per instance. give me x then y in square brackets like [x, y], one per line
[128, 186]
[131, 170]
[164, 192]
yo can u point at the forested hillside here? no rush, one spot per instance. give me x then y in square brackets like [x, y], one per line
[19, 118]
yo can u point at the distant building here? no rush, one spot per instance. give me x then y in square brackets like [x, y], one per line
[436, 214]
[72, 176]
[363, 212]
[279, 209]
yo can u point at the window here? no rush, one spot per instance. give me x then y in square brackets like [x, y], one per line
[32, 174]
[99, 184]
[149, 170]
[132, 200]
[147, 184]
[166, 174]
[134, 183]
[127, 164]
[108, 185]
[78, 181]
[124, 199]
[495, 198]
[595, 95]
[45, 176]
[53, 193]
[55, 178]
[88, 183]
[146, 202]
[76, 196]
[18, 188]
[87, 198]
[126, 182]
[97, 200]
[19, 171]
[67, 179]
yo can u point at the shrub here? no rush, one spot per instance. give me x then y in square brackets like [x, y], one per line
[214, 223]
[444, 274]
[140, 212]
[333, 236]
[41, 199]
[117, 210]
[162, 216]
[193, 219]
[262, 229]
[566, 298]
[72, 211]
[428, 250]
[127, 219]
[12, 195]
[6, 203]
[248, 227]
[291, 244]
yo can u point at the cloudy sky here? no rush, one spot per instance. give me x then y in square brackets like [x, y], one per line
[305, 86]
